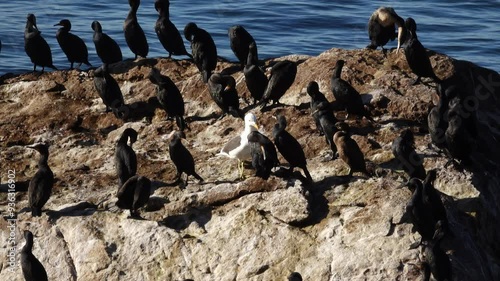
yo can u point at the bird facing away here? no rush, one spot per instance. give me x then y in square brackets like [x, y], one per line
[431, 198]
[107, 49]
[317, 97]
[223, 91]
[420, 213]
[239, 40]
[416, 55]
[461, 131]
[403, 149]
[109, 91]
[41, 184]
[350, 153]
[182, 158]
[72, 45]
[437, 259]
[203, 49]
[289, 147]
[35, 46]
[381, 26]
[134, 35]
[345, 94]
[327, 121]
[436, 120]
[134, 194]
[169, 96]
[33, 269]
[255, 78]
[167, 33]
[282, 76]
[238, 147]
[264, 156]
[125, 158]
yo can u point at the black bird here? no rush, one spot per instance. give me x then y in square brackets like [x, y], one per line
[350, 153]
[264, 156]
[72, 45]
[255, 78]
[431, 198]
[436, 120]
[345, 94]
[240, 40]
[169, 97]
[223, 91]
[416, 55]
[282, 76]
[35, 46]
[182, 158]
[41, 184]
[167, 33]
[317, 97]
[381, 28]
[289, 147]
[203, 49]
[134, 35]
[403, 149]
[327, 121]
[125, 158]
[437, 259]
[294, 276]
[109, 91]
[33, 269]
[107, 49]
[420, 213]
[134, 194]
[461, 131]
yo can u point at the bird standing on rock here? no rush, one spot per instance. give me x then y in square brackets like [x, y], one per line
[264, 156]
[255, 79]
[282, 77]
[167, 33]
[125, 158]
[109, 91]
[134, 35]
[223, 91]
[326, 119]
[32, 268]
[72, 45]
[240, 40]
[350, 153]
[134, 194]
[403, 149]
[203, 49]
[381, 28]
[182, 158]
[317, 97]
[35, 46]
[107, 49]
[40, 187]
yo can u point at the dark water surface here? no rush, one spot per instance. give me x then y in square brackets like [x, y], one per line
[464, 30]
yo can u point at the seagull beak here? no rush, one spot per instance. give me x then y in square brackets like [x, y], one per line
[255, 126]
[228, 87]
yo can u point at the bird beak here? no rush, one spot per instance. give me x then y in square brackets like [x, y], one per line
[228, 87]
[58, 24]
[400, 37]
[255, 126]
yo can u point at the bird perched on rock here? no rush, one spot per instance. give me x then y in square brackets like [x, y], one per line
[381, 28]
[317, 97]
[240, 40]
[32, 268]
[107, 49]
[282, 76]
[167, 33]
[264, 156]
[403, 149]
[436, 120]
[289, 147]
[203, 49]
[109, 91]
[255, 78]
[182, 158]
[461, 131]
[134, 35]
[73, 46]
[416, 55]
[40, 187]
[134, 194]
[345, 94]
[324, 116]
[350, 153]
[431, 198]
[169, 96]
[437, 259]
[35, 46]
[125, 158]
[420, 213]
[223, 91]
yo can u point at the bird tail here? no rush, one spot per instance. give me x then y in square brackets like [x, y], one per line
[197, 176]
[206, 75]
[181, 123]
[308, 175]
[36, 212]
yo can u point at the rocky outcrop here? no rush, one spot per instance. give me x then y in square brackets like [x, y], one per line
[231, 229]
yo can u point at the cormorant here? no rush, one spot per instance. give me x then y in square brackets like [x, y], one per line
[350, 153]
[41, 184]
[35, 46]
[33, 269]
[282, 76]
[109, 91]
[327, 121]
[134, 35]
[203, 49]
[460, 132]
[169, 97]
[107, 49]
[240, 39]
[264, 156]
[255, 78]
[72, 45]
[134, 194]
[420, 213]
[381, 26]
[167, 33]
[416, 55]
[182, 158]
[345, 94]
[403, 149]
[437, 259]
[432, 199]
[125, 158]
[289, 147]
[317, 97]
[223, 91]
[436, 120]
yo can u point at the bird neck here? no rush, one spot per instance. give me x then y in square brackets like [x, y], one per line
[337, 72]
[28, 247]
[252, 57]
[132, 14]
[43, 161]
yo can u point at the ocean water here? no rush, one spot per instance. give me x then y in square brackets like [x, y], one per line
[468, 30]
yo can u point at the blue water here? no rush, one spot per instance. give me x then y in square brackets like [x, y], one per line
[464, 30]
